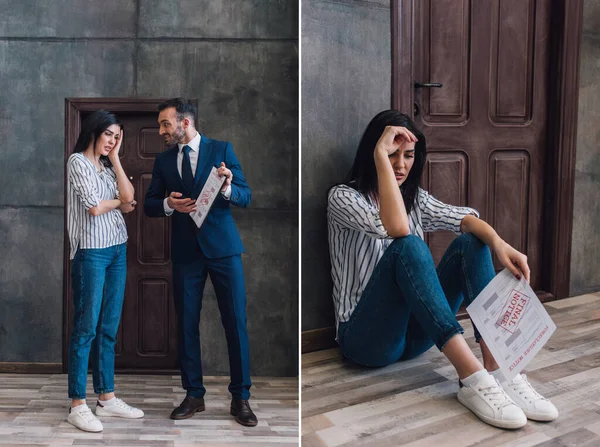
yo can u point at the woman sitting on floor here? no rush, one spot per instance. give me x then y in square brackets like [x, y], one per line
[391, 303]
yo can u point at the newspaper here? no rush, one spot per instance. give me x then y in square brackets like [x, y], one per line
[512, 321]
[207, 196]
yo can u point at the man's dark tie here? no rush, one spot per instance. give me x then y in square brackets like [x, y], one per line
[186, 170]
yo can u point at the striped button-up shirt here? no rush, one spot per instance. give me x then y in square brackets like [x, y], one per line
[358, 239]
[86, 189]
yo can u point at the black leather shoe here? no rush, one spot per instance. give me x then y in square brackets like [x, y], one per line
[188, 407]
[243, 413]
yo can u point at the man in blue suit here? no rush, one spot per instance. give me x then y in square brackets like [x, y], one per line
[213, 249]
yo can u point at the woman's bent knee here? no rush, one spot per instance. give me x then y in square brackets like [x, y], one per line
[412, 250]
[470, 238]
[469, 241]
[410, 243]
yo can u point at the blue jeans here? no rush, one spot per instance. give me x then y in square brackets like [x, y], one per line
[408, 306]
[98, 276]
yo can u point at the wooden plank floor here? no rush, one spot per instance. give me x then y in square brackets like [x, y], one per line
[414, 403]
[33, 411]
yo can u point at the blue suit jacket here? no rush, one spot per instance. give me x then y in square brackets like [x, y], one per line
[218, 236]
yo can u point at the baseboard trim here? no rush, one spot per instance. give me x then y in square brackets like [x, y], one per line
[30, 368]
[57, 368]
[148, 372]
[544, 296]
[318, 339]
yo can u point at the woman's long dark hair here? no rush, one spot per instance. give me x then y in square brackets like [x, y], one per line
[92, 127]
[363, 174]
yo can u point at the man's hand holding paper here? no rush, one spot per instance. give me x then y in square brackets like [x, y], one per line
[210, 190]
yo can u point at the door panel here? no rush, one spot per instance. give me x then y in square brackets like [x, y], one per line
[442, 46]
[512, 34]
[508, 196]
[153, 317]
[154, 235]
[486, 126]
[148, 321]
[446, 177]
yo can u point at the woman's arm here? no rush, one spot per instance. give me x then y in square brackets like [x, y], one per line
[78, 175]
[104, 207]
[510, 258]
[391, 205]
[126, 190]
[347, 208]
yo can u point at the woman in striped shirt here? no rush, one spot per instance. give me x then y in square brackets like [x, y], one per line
[391, 302]
[99, 192]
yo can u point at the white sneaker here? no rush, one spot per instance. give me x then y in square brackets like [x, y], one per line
[118, 409]
[534, 405]
[488, 401]
[82, 417]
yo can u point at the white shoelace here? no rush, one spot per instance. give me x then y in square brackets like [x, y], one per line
[87, 415]
[121, 404]
[524, 388]
[496, 395]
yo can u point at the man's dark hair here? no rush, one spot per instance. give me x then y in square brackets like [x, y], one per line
[183, 107]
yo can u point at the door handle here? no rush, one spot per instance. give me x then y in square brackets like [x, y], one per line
[427, 84]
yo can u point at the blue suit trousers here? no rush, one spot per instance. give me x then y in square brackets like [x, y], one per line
[227, 276]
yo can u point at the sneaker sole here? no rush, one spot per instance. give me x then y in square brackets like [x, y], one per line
[512, 425]
[85, 429]
[540, 417]
[102, 413]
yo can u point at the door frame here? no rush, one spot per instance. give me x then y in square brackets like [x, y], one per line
[74, 107]
[559, 175]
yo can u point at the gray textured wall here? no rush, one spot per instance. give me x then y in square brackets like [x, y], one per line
[585, 253]
[239, 58]
[346, 80]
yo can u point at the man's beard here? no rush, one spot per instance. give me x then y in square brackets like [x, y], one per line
[176, 136]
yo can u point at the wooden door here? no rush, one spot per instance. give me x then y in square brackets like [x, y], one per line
[486, 126]
[147, 337]
[147, 334]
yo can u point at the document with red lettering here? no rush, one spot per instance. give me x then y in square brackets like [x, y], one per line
[512, 321]
[207, 196]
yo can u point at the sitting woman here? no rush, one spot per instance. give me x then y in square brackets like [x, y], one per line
[391, 302]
